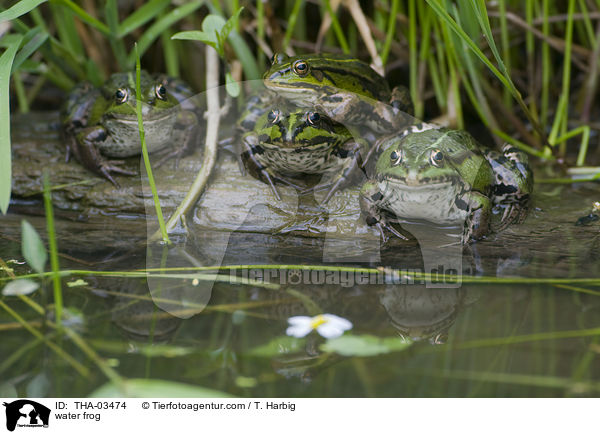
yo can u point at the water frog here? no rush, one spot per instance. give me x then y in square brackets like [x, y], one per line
[101, 123]
[287, 144]
[445, 176]
[345, 89]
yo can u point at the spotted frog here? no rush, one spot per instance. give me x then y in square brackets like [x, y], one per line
[100, 124]
[445, 176]
[288, 144]
[345, 89]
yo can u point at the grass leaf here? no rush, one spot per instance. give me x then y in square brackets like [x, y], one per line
[32, 247]
[19, 9]
[6, 61]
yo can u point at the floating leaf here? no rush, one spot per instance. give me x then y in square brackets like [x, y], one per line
[32, 247]
[279, 345]
[20, 287]
[142, 388]
[363, 345]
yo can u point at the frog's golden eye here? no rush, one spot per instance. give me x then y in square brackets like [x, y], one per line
[121, 96]
[300, 67]
[161, 92]
[437, 158]
[396, 157]
[313, 118]
[273, 116]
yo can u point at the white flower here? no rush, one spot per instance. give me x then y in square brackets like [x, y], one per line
[327, 325]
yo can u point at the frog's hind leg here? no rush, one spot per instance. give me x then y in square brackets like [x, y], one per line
[369, 198]
[91, 158]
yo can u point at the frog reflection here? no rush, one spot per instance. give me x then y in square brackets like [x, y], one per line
[420, 313]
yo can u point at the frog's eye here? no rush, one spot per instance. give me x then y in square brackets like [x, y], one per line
[273, 116]
[396, 157]
[313, 118]
[121, 96]
[278, 58]
[161, 92]
[437, 158]
[300, 68]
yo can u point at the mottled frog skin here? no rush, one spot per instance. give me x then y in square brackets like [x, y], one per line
[289, 144]
[445, 176]
[101, 123]
[342, 88]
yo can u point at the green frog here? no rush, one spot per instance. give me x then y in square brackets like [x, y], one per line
[287, 144]
[345, 89]
[445, 176]
[100, 124]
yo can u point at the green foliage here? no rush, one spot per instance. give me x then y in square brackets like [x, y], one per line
[32, 247]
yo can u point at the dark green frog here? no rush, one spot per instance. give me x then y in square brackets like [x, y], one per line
[101, 123]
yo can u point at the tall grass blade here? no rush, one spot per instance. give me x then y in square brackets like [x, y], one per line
[141, 16]
[138, 109]
[58, 298]
[6, 61]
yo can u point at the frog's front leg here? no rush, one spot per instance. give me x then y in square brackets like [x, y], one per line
[251, 150]
[370, 205]
[477, 222]
[351, 152]
[85, 148]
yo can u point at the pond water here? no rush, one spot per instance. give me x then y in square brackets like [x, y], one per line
[524, 321]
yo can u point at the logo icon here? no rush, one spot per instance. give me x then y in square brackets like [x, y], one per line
[26, 413]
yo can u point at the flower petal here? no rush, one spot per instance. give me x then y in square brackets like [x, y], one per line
[299, 320]
[299, 330]
[330, 330]
[340, 322]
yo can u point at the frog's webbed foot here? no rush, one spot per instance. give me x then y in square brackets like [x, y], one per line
[106, 168]
[370, 199]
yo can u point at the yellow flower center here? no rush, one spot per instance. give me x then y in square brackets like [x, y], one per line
[317, 321]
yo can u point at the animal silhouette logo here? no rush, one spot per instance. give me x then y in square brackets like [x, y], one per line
[26, 413]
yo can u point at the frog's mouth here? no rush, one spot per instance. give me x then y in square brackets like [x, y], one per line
[424, 183]
[132, 119]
